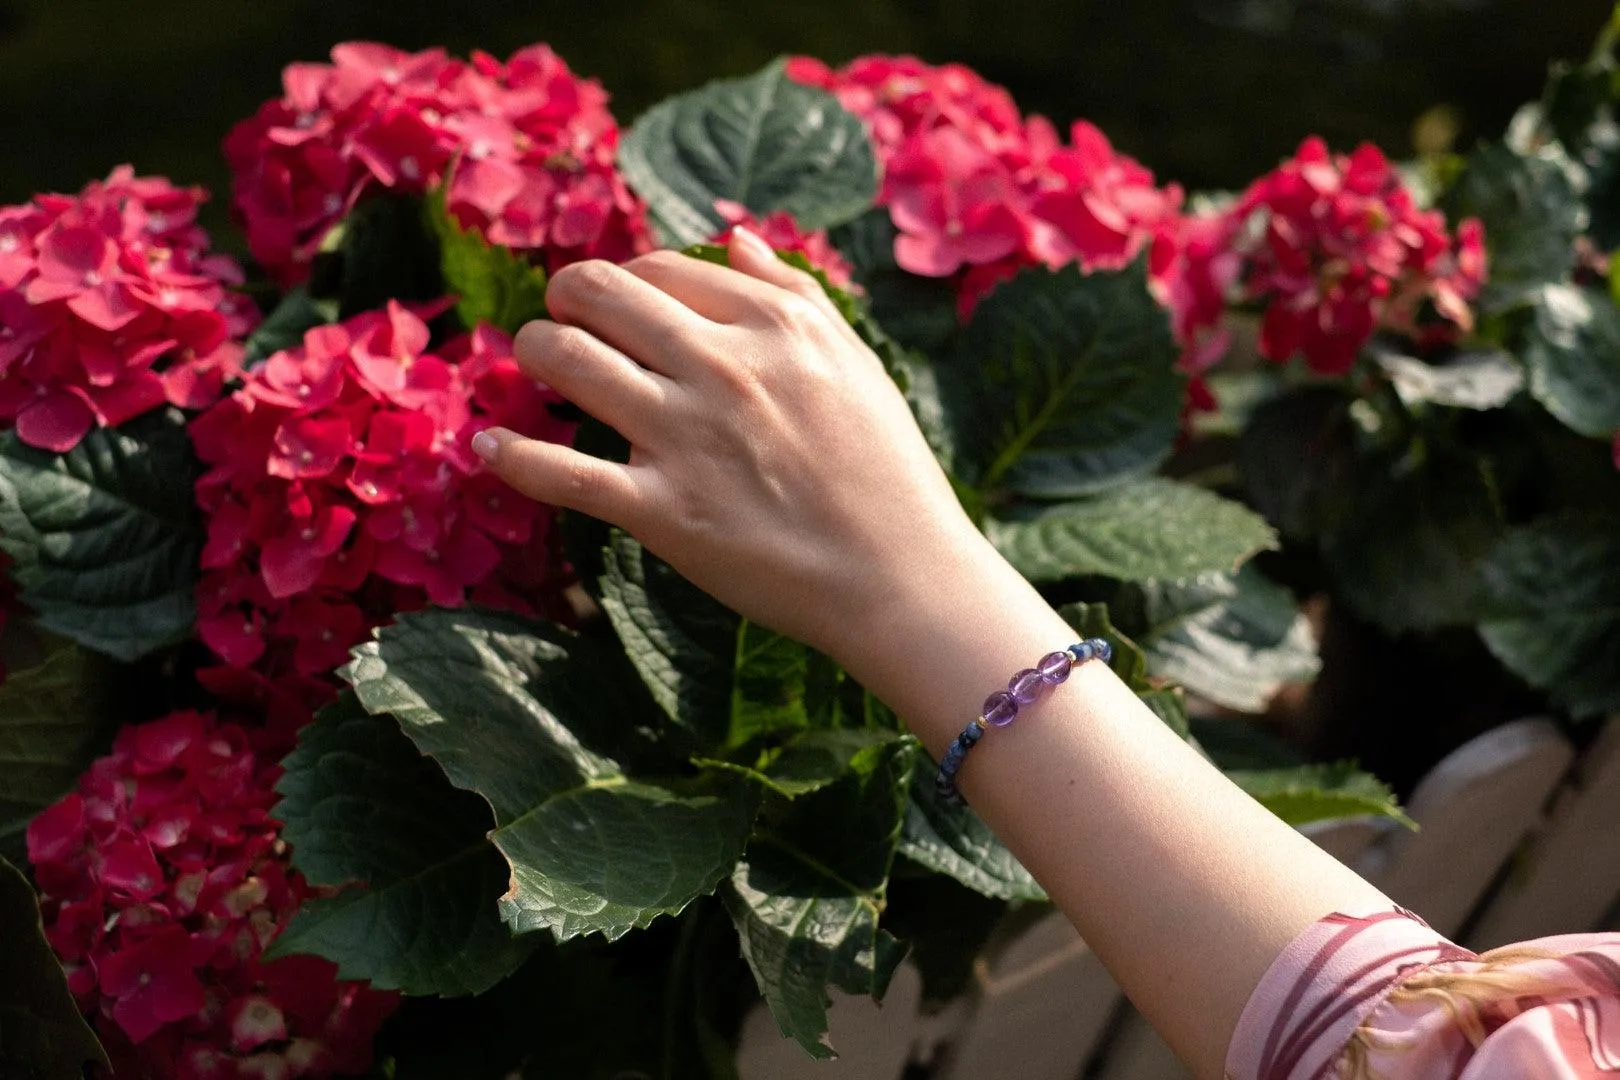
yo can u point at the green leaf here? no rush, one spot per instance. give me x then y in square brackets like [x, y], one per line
[809, 761]
[362, 807]
[515, 710]
[721, 679]
[1531, 213]
[1554, 590]
[1129, 660]
[1306, 793]
[1142, 530]
[1407, 549]
[492, 284]
[1485, 379]
[952, 840]
[42, 1035]
[106, 537]
[51, 725]
[1297, 455]
[286, 324]
[1233, 639]
[763, 141]
[1572, 350]
[1064, 384]
[807, 898]
[1130, 664]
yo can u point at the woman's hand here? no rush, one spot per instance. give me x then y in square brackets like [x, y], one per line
[774, 463]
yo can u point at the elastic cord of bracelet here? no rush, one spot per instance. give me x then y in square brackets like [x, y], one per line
[1001, 708]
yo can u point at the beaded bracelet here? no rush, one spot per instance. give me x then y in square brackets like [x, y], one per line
[1001, 707]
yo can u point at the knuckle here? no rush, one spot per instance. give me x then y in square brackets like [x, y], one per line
[569, 346]
[581, 482]
[662, 259]
[795, 313]
[582, 282]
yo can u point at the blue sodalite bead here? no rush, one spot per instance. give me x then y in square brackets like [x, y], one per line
[971, 734]
[1105, 651]
[1082, 651]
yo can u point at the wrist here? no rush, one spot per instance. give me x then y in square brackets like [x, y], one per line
[943, 634]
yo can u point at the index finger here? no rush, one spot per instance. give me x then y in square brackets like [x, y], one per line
[642, 321]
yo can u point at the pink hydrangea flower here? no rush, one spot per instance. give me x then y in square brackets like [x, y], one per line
[977, 192]
[526, 146]
[341, 491]
[783, 233]
[162, 880]
[1338, 248]
[110, 306]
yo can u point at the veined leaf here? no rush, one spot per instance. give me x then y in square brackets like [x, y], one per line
[1233, 639]
[1137, 531]
[105, 537]
[1306, 793]
[1532, 215]
[764, 141]
[492, 284]
[1065, 383]
[722, 680]
[51, 725]
[362, 807]
[953, 841]
[1554, 619]
[42, 1035]
[809, 761]
[807, 897]
[1408, 555]
[1572, 349]
[504, 706]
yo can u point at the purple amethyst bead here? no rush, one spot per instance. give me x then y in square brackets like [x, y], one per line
[1054, 667]
[1026, 686]
[1000, 708]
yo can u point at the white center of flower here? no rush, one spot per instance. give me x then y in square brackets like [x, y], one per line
[307, 534]
[9, 243]
[334, 203]
[410, 167]
[156, 223]
[91, 279]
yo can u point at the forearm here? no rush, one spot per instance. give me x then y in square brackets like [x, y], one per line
[1183, 885]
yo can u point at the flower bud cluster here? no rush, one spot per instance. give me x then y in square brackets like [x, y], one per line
[527, 148]
[1335, 247]
[111, 305]
[162, 880]
[977, 191]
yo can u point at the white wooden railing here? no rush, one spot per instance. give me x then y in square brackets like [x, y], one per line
[1519, 838]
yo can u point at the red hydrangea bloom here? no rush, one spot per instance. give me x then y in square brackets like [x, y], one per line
[527, 147]
[162, 880]
[342, 490]
[783, 233]
[978, 192]
[1337, 248]
[111, 305]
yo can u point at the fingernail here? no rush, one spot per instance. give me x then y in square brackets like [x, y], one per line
[753, 241]
[486, 446]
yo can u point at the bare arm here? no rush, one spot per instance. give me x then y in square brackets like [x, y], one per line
[775, 464]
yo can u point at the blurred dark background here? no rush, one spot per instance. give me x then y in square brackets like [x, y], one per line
[1207, 92]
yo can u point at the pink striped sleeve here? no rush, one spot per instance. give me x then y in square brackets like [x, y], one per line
[1384, 996]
